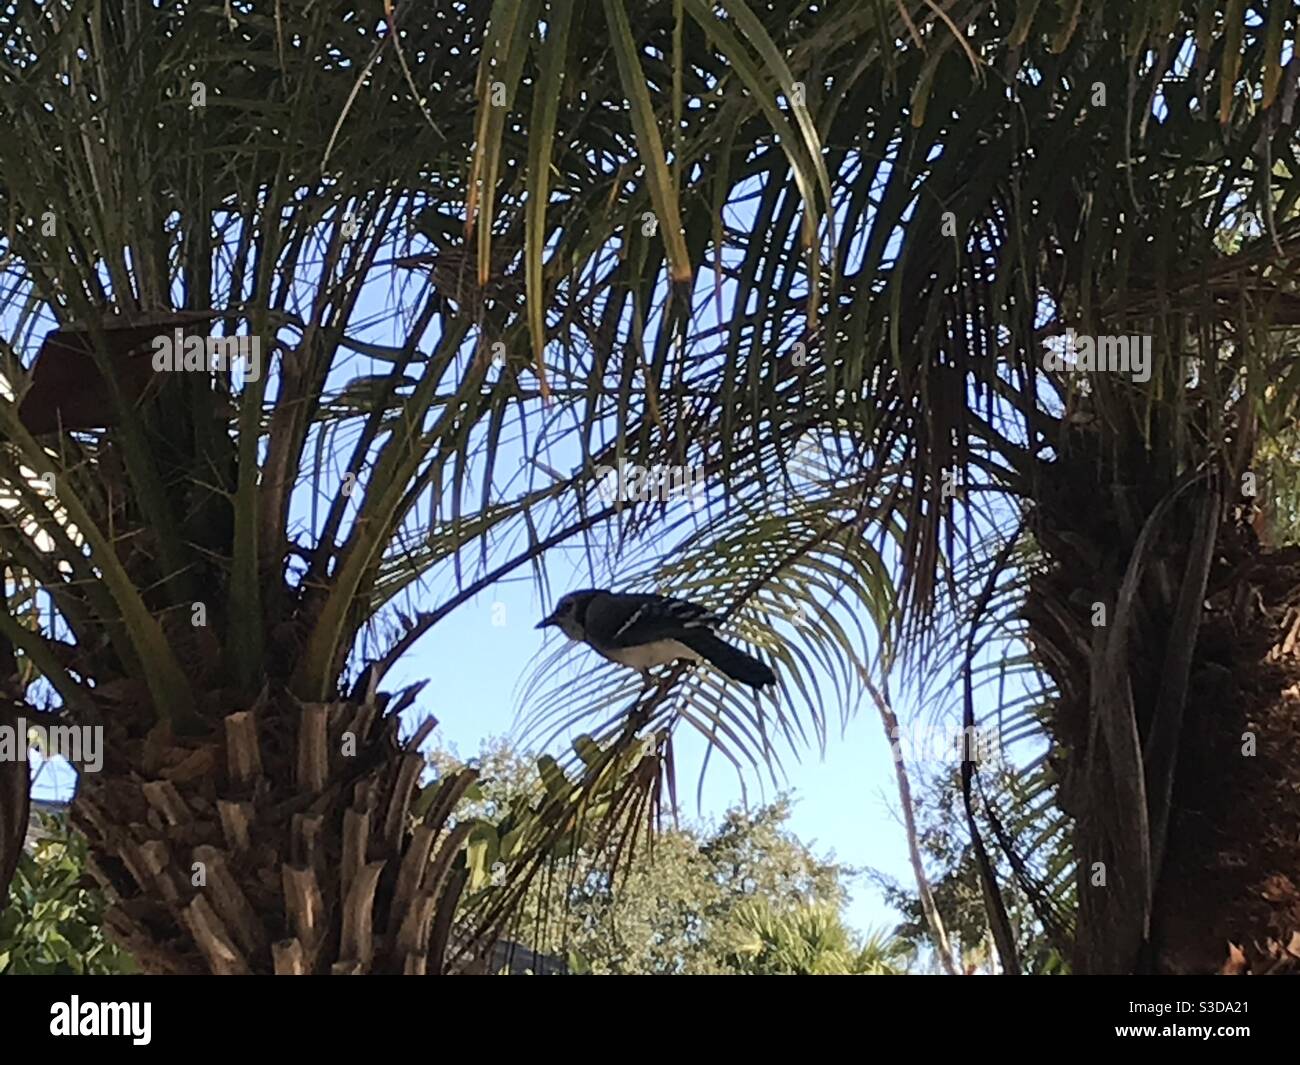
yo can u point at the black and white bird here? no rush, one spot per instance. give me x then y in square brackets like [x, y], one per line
[644, 631]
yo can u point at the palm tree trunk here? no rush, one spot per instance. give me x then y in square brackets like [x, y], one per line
[1173, 639]
[1231, 872]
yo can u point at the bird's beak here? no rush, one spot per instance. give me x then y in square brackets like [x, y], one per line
[544, 622]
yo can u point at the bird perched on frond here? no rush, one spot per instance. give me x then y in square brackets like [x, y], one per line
[644, 631]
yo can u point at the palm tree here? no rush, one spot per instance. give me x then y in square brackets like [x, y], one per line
[809, 940]
[811, 252]
[1169, 704]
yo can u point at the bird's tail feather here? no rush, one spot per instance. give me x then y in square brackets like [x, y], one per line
[733, 662]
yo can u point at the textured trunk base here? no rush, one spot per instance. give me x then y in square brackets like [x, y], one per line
[283, 844]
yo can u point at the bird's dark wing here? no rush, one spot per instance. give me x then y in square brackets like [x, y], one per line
[639, 619]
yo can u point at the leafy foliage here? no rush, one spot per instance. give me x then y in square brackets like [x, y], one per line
[808, 940]
[54, 921]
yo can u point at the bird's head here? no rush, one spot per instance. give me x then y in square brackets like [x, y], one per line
[570, 613]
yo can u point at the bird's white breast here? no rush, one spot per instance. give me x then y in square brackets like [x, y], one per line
[648, 655]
